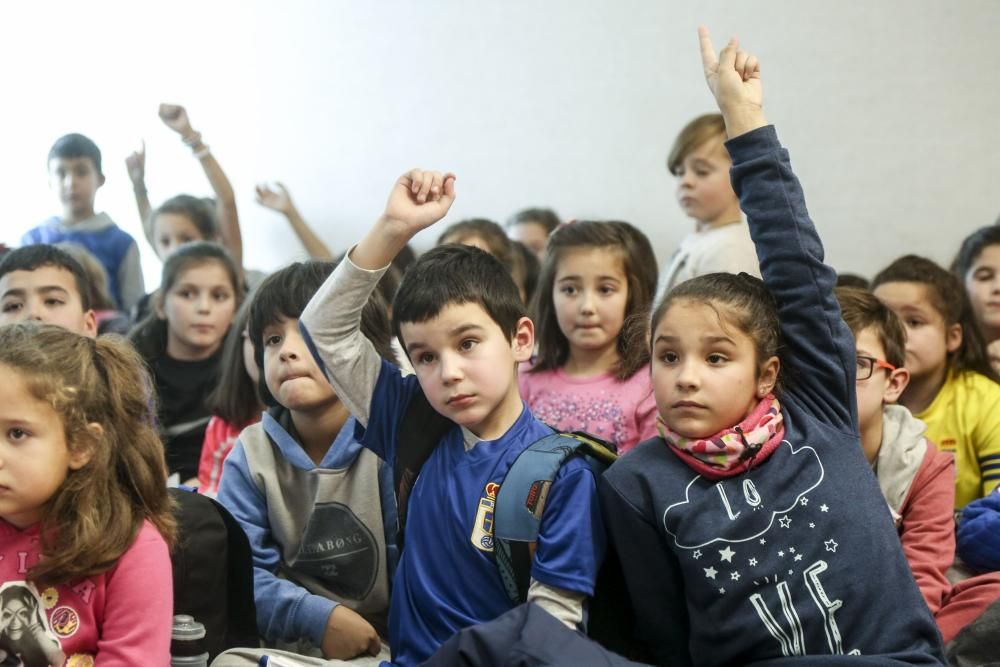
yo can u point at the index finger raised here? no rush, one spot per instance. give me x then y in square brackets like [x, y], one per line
[708, 57]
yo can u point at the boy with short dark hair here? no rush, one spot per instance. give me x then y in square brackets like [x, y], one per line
[43, 283]
[463, 326]
[75, 173]
[317, 507]
[917, 480]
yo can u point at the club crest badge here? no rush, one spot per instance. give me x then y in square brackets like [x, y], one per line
[482, 529]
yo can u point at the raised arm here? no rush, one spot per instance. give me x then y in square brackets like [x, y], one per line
[175, 117]
[819, 347]
[331, 322]
[136, 166]
[278, 199]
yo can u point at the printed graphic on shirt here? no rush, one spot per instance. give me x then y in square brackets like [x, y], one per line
[566, 411]
[767, 544]
[338, 549]
[482, 529]
[24, 628]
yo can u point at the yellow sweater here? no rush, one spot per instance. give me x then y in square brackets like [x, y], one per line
[964, 419]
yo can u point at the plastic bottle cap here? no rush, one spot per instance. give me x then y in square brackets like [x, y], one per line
[187, 629]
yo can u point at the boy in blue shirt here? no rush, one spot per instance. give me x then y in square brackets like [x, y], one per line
[462, 324]
[75, 174]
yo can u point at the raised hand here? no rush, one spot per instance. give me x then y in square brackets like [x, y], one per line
[136, 165]
[175, 117]
[734, 79]
[419, 199]
[276, 198]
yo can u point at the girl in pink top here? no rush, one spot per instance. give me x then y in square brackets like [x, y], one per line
[85, 521]
[591, 310]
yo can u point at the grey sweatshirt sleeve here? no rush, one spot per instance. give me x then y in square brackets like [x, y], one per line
[331, 325]
[131, 286]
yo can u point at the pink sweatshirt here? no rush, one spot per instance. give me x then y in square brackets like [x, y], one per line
[121, 617]
[621, 412]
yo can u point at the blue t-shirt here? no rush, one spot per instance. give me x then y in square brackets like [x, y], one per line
[447, 578]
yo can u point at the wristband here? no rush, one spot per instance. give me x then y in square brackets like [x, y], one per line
[193, 140]
[202, 152]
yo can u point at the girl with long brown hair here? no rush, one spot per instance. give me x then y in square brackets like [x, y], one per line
[85, 520]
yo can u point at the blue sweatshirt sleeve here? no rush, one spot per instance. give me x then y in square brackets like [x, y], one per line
[285, 610]
[819, 348]
[652, 578]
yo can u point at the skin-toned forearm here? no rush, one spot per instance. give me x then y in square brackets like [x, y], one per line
[742, 120]
[313, 244]
[380, 245]
[145, 210]
[225, 208]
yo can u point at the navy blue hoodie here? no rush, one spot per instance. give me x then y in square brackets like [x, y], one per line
[798, 556]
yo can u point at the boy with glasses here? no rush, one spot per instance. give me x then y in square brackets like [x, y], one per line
[917, 480]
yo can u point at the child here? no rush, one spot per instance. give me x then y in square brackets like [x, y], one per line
[109, 318]
[489, 236]
[738, 529]
[592, 309]
[720, 241]
[317, 507]
[952, 387]
[181, 342]
[978, 266]
[278, 199]
[917, 480]
[235, 402]
[462, 324]
[532, 227]
[75, 172]
[85, 521]
[43, 283]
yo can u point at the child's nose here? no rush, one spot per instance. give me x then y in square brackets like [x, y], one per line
[450, 369]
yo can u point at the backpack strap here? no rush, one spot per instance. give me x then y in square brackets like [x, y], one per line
[420, 430]
[521, 501]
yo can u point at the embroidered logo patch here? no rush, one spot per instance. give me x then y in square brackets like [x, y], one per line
[482, 529]
[65, 621]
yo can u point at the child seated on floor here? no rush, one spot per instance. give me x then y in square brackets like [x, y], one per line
[318, 507]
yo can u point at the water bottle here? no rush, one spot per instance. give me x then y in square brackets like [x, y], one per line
[187, 643]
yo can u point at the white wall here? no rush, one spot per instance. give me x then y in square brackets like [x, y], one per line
[889, 108]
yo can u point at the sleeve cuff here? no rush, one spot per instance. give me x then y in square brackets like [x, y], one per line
[748, 146]
[312, 615]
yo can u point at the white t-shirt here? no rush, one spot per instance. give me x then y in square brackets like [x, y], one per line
[726, 249]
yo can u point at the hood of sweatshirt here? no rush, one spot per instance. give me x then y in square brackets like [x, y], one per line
[900, 456]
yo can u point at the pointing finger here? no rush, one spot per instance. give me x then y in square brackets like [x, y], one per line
[708, 58]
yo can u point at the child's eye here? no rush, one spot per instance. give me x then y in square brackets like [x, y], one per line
[568, 290]
[425, 358]
[716, 359]
[11, 307]
[16, 434]
[608, 289]
[913, 323]
[186, 293]
[221, 296]
[272, 340]
[54, 302]
[468, 344]
[668, 357]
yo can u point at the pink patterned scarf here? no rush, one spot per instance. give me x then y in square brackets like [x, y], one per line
[733, 450]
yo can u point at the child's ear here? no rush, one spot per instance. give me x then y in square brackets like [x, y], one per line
[953, 337]
[100, 180]
[523, 342]
[897, 381]
[81, 454]
[768, 377]
[89, 324]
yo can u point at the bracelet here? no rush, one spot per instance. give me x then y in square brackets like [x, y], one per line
[202, 152]
[193, 140]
